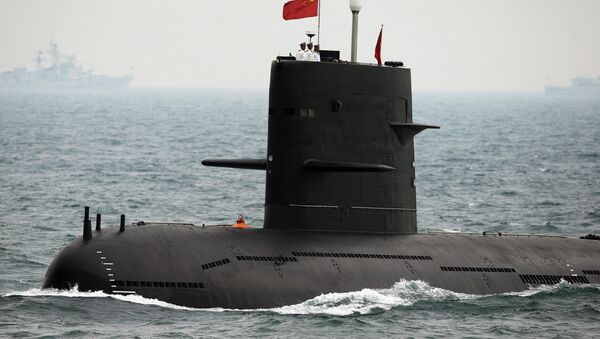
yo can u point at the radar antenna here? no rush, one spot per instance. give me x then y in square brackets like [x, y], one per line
[39, 58]
[54, 53]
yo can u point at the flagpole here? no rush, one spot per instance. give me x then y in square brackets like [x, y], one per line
[319, 23]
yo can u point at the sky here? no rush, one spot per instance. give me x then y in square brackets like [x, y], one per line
[450, 45]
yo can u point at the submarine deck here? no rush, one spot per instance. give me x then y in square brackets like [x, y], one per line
[228, 267]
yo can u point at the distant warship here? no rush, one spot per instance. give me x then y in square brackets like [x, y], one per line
[57, 71]
[340, 213]
[579, 86]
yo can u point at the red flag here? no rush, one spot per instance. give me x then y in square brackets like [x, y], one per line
[298, 9]
[378, 47]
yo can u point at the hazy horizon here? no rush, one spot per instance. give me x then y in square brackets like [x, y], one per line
[464, 45]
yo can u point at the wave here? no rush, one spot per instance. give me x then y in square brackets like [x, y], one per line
[404, 293]
[556, 289]
[368, 301]
[74, 293]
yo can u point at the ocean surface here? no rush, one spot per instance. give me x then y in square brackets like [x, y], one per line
[508, 162]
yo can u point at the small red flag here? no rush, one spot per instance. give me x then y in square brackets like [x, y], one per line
[378, 47]
[298, 9]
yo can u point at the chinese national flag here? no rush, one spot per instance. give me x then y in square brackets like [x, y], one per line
[378, 48]
[298, 9]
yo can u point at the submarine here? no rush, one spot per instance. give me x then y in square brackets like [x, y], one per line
[339, 213]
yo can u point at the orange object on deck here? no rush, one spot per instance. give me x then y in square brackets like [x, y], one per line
[240, 223]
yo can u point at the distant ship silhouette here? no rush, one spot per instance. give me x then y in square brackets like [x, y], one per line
[57, 71]
[579, 86]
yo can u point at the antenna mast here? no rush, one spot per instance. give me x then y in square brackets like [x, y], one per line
[355, 7]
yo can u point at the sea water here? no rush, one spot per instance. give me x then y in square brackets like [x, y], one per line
[501, 162]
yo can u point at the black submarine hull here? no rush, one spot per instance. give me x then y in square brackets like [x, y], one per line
[340, 214]
[255, 268]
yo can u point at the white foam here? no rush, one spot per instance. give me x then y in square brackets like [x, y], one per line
[138, 299]
[74, 293]
[451, 230]
[50, 292]
[403, 293]
[536, 290]
[563, 284]
[366, 301]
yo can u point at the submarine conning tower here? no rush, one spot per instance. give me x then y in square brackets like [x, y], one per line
[340, 153]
